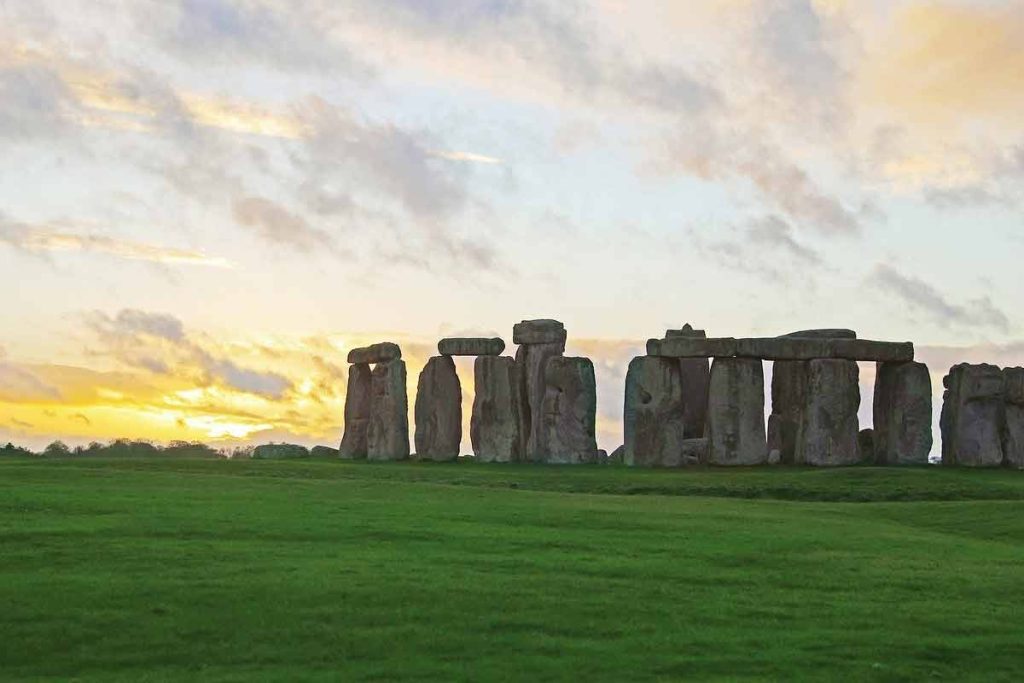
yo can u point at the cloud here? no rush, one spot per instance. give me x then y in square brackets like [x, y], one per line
[21, 384]
[467, 156]
[926, 299]
[764, 247]
[276, 224]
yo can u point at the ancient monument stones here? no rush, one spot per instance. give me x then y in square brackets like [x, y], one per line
[902, 414]
[438, 410]
[494, 425]
[355, 441]
[735, 427]
[972, 416]
[829, 429]
[568, 412]
[376, 406]
[654, 421]
[694, 374]
[471, 346]
[539, 341]
[1013, 429]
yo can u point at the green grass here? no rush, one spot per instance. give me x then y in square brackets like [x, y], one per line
[163, 569]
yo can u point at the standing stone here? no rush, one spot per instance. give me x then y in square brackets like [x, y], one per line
[438, 411]
[654, 424]
[902, 414]
[355, 440]
[789, 396]
[389, 413]
[569, 411]
[973, 415]
[695, 373]
[866, 444]
[536, 348]
[494, 426]
[735, 430]
[1013, 431]
[828, 435]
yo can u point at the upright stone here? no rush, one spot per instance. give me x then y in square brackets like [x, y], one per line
[828, 434]
[539, 341]
[1013, 430]
[973, 413]
[902, 414]
[389, 412]
[654, 422]
[569, 411]
[438, 411]
[695, 373]
[494, 425]
[735, 430]
[355, 440]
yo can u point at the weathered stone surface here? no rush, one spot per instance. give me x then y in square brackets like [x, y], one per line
[494, 425]
[692, 347]
[602, 456]
[389, 413]
[973, 416]
[277, 451]
[695, 451]
[538, 332]
[531, 360]
[694, 373]
[868, 350]
[323, 452]
[789, 399]
[902, 414]
[569, 411]
[438, 411]
[375, 353]
[829, 430]
[866, 445]
[1013, 430]
[355, 441]
[653, 419]
[471, 346]
[827, 333]
[686, 331]
[736, 431]
[618, 456]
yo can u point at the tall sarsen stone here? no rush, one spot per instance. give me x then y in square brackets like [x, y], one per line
[438, 411]
[389, 412]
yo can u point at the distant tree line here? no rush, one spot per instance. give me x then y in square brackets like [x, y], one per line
[127, 448]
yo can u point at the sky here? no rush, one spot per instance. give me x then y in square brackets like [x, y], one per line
[205, 203]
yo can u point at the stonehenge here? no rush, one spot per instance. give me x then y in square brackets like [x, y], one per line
[829, 430]
[982, 420]
[735, 428]
[354, 442]
[470, 346]
[539, 341]
[438, 411]
[494, 425]
[388, 437]
[1013, 427]
[654, 425]
[568, 412]
[695, 374]
[902, 414]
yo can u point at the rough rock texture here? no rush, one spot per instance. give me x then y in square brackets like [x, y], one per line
[686, 331]
[569, 411]
[735, 431]
[494, 425]
[653, 421]
[276, 451]
[789, 398]
[602, 456]
[323, 452]
[973, 415]
[471, 346]
[782, 348]
[828, 435]
[694, 373]
[538, 332]
[695, 451]
[692, 347]
[866, 445]
[389, 413]
[438, 411]
[355, 441]
[826, 333]
[375, 353]
[531, 360]
[618, 456]
[902, 414]
[1013, 430]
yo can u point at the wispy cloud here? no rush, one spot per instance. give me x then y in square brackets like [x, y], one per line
[466, 156]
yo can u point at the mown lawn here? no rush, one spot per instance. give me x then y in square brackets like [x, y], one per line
[187, 569]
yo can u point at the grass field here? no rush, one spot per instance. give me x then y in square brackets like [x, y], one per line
[162, 569]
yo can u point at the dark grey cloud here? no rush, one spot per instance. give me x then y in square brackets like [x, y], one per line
[926, 299]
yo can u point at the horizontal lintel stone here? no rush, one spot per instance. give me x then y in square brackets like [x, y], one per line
[782, 348]
[375, 353]
[471, 346]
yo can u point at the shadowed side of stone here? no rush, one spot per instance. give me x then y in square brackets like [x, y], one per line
[471, 346]
[569, 411]
[902, 414]
[355, 440]
[534, 352]
[973, 414]
[438, 411]
[736, 431]
[1013, 430]
[653, 419]
[830, 428]
[494, 425]
[543, 331]
[389, 413]
[694, 374]
[789, 397]
[375, 353]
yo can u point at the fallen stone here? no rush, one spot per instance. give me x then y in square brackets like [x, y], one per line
[866, 445]
[828, 435]
[438, 411]
[973, 416]
[494, 425]
[355, 440]
[569, 411]
[538, 332]
[1013, 431]
[653, 419]
[736, 430]
[531, 359]
[902, 414]
[375, 353]
[323, 452]
[470, 346]
[389, 413]
[278, 451]
[692, 347]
